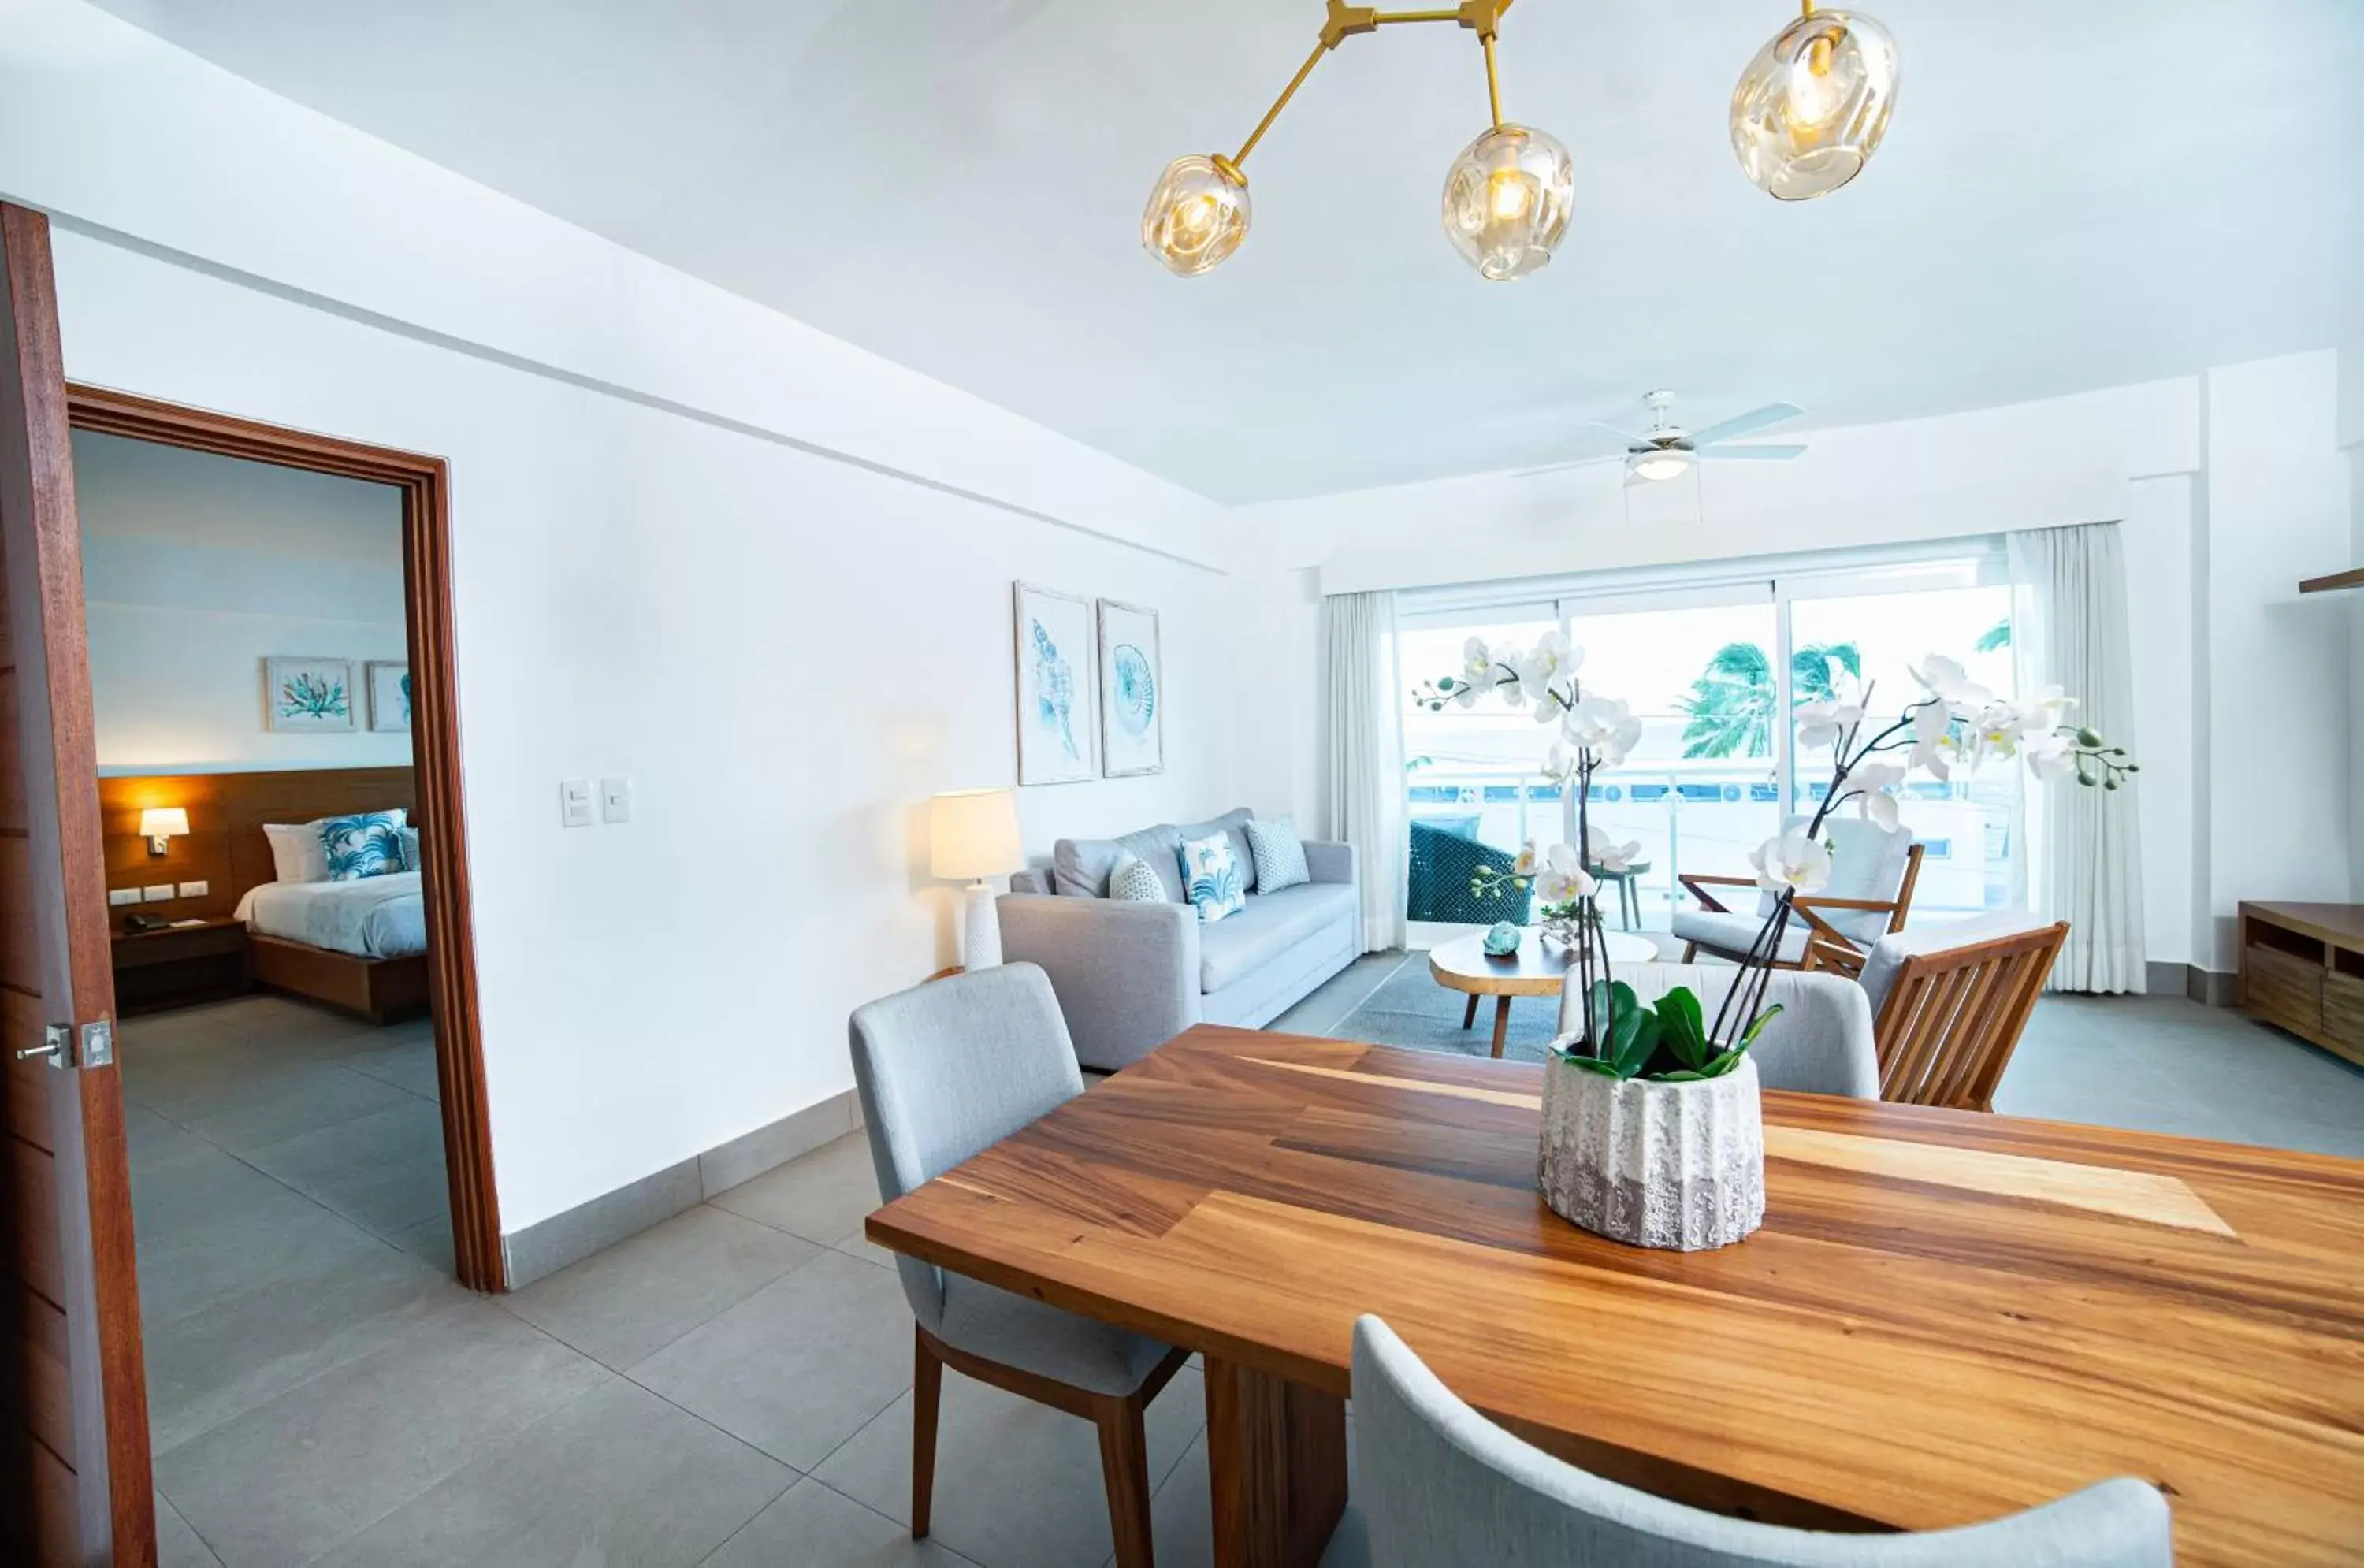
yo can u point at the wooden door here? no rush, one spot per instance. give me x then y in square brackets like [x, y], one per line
[76, 1413]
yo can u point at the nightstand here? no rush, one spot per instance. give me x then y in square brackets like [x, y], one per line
[176, 966]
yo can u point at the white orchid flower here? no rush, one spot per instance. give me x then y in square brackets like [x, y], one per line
[1790, 862]
[1477, 673]
[2047, 709]
[1561, 763]
[2052, 756]
[1551, 660]
[1606, 854]
[1528, 858]
[1562, 878]
[1827, 723]
[1604, 727]
[1932, 728]
[1997, 729]
[1873, 780]
[1951, 685]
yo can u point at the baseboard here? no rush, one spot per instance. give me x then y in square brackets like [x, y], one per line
[574, 1234]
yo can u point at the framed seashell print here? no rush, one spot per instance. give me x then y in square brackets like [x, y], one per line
[1133, 692]
[1054, 667]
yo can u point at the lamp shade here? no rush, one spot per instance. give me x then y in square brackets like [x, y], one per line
[163, 822]
[974, 833]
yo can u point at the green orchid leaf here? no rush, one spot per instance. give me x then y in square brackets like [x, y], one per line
[1724, 1062]
[1607, 1069]
[1682, 1075]
[1684, 1025]
[1634, 1046]
[1749, 1037]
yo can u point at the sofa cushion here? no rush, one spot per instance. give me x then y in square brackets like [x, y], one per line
[1133, 882]
[1280, 854]
[1080, 867]
[1269, 925]
[1212, 878]
[1232, 825]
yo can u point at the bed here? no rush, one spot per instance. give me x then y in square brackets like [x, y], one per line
[359, 946]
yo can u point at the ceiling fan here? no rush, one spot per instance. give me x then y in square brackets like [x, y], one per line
[1666, 451]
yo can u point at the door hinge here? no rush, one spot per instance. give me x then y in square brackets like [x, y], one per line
[94, 1048]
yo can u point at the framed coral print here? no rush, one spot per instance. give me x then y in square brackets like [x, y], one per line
[1055, 687]
[307, 696]
[1133, 692]
[389, 697]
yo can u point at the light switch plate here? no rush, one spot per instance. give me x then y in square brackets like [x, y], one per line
[575, 803]
[118, 896]
[161, 892]
[195, 889]
[616, 800]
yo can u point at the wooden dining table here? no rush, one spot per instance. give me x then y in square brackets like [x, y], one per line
[1948, 1316]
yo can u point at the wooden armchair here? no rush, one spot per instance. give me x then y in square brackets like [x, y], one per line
[1948, 1003]
[1869, 895]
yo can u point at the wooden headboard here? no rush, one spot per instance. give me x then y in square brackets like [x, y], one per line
[226, 846]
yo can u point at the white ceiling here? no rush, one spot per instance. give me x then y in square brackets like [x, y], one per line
[2071, 195]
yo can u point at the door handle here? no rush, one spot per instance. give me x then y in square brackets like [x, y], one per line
[56, 1044]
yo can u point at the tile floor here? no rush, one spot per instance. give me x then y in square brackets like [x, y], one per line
[731, 1386]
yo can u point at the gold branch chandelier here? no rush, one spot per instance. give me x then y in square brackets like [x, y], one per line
[1809, 112]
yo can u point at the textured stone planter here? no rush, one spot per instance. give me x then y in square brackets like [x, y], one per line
[1676, 1165]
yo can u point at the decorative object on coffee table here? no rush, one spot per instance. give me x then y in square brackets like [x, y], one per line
[1502, 941]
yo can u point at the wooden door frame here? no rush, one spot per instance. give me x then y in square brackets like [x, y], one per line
[426, 486]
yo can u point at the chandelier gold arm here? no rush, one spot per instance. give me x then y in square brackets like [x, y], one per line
[1344, 21]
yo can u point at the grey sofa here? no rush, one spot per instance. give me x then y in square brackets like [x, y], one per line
[1131, 977]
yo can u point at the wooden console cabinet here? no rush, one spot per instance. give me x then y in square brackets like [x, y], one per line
[2302, 968]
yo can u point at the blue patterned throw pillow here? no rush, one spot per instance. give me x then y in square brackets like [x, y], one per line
[1133, 881]
[366, 845]
[1210, 877]
[410, 849]
[1280, 854]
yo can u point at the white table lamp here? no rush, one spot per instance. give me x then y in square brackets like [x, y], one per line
[973, 835]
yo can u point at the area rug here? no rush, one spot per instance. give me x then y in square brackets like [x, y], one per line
[1411, 1009]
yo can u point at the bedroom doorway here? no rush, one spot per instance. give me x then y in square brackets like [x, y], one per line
[286, 855]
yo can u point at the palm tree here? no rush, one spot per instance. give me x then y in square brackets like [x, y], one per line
[1996, 635]
[1730, 705]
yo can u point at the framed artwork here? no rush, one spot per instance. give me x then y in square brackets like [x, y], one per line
[390, 695]
[1133, 692]
[308, 695]
[1053, 653]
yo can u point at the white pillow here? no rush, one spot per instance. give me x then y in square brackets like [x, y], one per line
[297, 852]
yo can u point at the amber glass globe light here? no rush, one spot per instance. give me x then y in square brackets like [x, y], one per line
[1197, 215]
[1507, 200]
[1811, 108]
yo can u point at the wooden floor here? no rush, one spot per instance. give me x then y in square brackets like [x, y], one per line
[1947, 1317]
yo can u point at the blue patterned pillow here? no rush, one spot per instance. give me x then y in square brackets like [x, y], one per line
[366, 845]
[410, 849]
[1133, 881]
[1210, 877]
[1280, 854]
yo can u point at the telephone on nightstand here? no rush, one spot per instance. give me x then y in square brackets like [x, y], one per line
[133, 925]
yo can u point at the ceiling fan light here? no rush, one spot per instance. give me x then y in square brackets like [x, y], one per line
[1659, 465]
[1812, 107]
[1507, 201]
[1198, 214]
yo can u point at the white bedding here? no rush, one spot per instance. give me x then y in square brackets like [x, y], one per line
[375, 917]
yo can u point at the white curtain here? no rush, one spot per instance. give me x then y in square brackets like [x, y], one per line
[2083, 843]
[1362, 715]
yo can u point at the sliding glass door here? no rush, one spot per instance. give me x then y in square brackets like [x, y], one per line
[1715, 668]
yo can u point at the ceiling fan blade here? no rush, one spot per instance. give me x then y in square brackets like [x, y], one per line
[1741, 424]
[1563, 467]
[1761, 452]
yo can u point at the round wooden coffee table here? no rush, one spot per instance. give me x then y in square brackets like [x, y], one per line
[1537, 968]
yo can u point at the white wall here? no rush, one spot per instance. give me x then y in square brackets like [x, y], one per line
[2222, 484]
[2350, 437]
[684, 552]
[196, 568]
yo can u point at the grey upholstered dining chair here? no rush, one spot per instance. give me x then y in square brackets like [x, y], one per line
[945, 1071]
[1821, 1043]
[1436, 1482]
